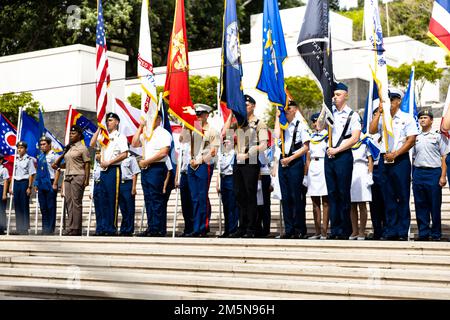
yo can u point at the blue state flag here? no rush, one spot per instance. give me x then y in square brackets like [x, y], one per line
[231, 92]
[271, 79]
[409, 105]
[29, 132]
[57, 146]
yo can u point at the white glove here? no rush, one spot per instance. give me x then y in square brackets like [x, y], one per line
[305, 180]
[369, 180]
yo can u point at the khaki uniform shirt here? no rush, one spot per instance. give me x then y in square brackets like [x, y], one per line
[75, 159]
[249, 137]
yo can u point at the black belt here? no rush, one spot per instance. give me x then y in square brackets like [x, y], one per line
[316, 158]
[426, 168]
[20, 180]
[123, 181]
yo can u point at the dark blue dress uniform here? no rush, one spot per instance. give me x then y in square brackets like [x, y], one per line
[293, 199]
[200, 179]
[427, 155]
[230, 208]
[397, 178]
[338, 173]
[110, 182]
[24, 169]
[45, 177]
[129, 168]
[4, 177]
[185, 192]
[152, 179]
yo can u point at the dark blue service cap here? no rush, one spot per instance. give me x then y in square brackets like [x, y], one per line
[22, 144]
[425, 112]
[314, 117]
[340, 86]
[112, 115]
[249, 99]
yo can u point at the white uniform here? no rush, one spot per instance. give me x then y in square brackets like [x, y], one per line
[117, 144]
[317, 185]
[361, 190]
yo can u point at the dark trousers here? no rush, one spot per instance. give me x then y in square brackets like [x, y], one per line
[127, 207]
[291, 178]
[99, 224]
[396, 192]
[199, 181]
[186, 204]
[377, 210]
[109, 194]
[152, 184]
[230, 208]
[47, 204]
[2, 211]
[21, 205]
[427, 200]
[263, 211]
[245, 184]
[338, 176]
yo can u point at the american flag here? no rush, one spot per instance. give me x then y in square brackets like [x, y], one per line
[103, 78]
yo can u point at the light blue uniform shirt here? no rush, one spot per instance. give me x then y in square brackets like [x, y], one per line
[428, 150]
[129, 168]
[24, 167]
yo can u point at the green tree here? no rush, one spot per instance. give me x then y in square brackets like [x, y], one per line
[70, 22]
[10, 104]
[305, 92]
[202, 89]
[424, 71]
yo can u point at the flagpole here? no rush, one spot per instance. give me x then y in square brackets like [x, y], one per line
[11, 196]
[219, 160]
[66, 142]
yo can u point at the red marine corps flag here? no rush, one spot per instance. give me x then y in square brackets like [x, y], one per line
[176, 89]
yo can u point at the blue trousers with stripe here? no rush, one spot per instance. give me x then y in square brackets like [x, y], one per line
[47, 204]
[427, 200]
[186, 204]
[230, 208]
[338, 176]
[152, 180]
[109, 195]
[21, 205]
[199, 181]
[294, 215]
[127, 206]
[396, 192]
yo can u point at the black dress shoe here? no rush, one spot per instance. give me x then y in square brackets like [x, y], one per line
[224, 235]
[287, 236]
[143, 234]
[99, 234]
[125, 234]
[237, 234]
[402, 238]
[332, 237]
[389, 238]
[300, 236]
[249, 235]
[2, 232]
